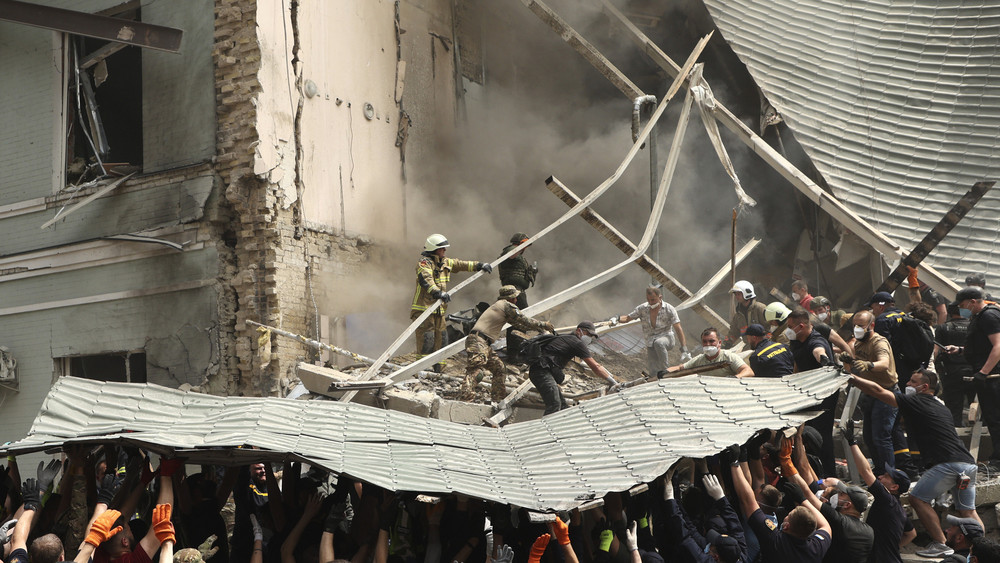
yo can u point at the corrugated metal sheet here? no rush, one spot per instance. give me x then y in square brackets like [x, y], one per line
[897, 102]
[606, 444]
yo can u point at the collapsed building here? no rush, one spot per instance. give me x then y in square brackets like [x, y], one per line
[281, 162]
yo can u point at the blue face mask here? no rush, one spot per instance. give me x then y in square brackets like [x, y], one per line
[965, 313]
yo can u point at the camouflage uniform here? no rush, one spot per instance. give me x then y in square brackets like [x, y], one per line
[477, 344]
[433, 274]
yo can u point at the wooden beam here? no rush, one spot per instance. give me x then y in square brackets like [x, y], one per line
[505, 408]
[582, 46]
[936, 235]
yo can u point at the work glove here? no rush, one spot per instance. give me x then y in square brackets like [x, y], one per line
[549, 327]
[615, 386]
[668, 486]
[538, 548]
[443, 296]
[484, 267]
[29, 495]
[911, 276]
[712, 487]
[504, 555]
[613, 320]
[845, 358]
[101, 530]
[205, 548]
[785, 455]
[825, 361]
[560, 530]
[162, 527]
[755, 442]
[47, 474]
[6, 532]
[685, 355]
[605, 540]
[793, 492]
[340, 517]
[858, 366]
[258, 532]
[109, 487]
[848, 432]
[631, 538]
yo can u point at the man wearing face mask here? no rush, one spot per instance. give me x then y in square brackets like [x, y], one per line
[948, 463]
[661, 328]
[712, 352]
[748, 312]
[951, 365]
[546, 371]
[800, 293]
[811, 351]
[874, 362]
[982, 351]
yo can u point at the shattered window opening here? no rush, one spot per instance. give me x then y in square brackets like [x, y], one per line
[119, 367]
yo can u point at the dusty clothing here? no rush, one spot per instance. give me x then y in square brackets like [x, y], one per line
[771, 359]
[666, 318]
[481, 355]
[733, 363]
[546, 373]
[500, 313]
[515, 270]
[433, 274]
[875, 348]
[753, 313]
[433, 324]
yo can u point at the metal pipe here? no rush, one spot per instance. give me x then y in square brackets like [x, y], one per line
[636, 108]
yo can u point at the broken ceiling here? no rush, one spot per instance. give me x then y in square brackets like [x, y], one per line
[559, 462]
[894, 100]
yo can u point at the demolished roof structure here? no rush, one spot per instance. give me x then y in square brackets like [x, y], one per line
[895, 103]
[557, 463]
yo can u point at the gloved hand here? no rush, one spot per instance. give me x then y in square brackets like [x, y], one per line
[668, 486]
[340, 517]
[631, 538]
[605, 539]
[685, 354]
[712, 486]
[101, 530]
[485, 267]
[911, 277]
[109, 487]
[549, 327]
[560, 530]
[206, 550]
[785, 455]
[258, 532]
[504, 555]
[162, 527]
[825, 361]
[615, 387]
[732, 454]
[29, 494]
[613, 320]
[793, 492]
[7, 532]
[755, 442]
[442, 295]
[47, 474]
[538, 548]
[845, 358]
[848, 432]
[858, 366]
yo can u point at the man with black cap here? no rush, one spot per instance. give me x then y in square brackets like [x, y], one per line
[546, 371]
[982, 351]
[951, 365]
[960, 535]
[769, 358]
[517, 272]
[887, 518]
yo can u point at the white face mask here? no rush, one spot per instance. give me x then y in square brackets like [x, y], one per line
[833, 501]
[796, 297]
[586, 339]
[822, 316]
[710, 350]
[859, 332]
[789, 334]
[910, 390]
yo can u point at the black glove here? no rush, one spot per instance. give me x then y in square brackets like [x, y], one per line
[47, 474]
[824, 361]
[109, 487]
[755, 442]
[848, 431]
[29, 492]
[793, 492]
[845, 358]
[442, 295]
[731, 454]
[485, 267]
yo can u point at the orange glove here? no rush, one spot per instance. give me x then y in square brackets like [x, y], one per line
[560, 530]
[785, 455]
[538, 549]
[100, 530]
[911, 277]
[162, 526]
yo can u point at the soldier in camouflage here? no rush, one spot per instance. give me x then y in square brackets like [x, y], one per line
[485, 332]
[517, 272]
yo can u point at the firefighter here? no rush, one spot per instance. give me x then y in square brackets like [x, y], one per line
[748, 311]
[433, 274]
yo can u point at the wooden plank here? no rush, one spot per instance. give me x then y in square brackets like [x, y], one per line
[505, 408]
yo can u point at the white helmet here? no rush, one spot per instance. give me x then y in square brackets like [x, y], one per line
[744, 288]
[776, 312]
[435, 242]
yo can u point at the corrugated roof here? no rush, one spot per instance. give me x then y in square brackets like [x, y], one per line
[560, 461]
[897, 102]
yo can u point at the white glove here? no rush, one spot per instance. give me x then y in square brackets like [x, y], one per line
[685, 355]
[504, 555]
[613, 320]
[668, 486]
[258, 533]
[631, 540]
[712, 487]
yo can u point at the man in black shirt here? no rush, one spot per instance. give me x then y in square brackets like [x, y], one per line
[960, 534]
[769, 358]
[951, 365]
[947, 461]
[982, 350]
[546, 372]
[811, 351]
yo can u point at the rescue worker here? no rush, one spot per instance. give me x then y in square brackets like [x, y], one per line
[775, 315]
[769, 358]
[433, 274]
[485, 332]
[953, 368]
[748, 311]
[711, 353]
[800, 293]
[517, 272]
[546, 371]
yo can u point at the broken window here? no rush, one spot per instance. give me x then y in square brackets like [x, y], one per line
[120, 367]
[104, 113]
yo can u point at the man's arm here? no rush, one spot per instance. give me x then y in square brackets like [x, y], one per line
[874, 390]
[598, 369]
[679, 331]
[748, 502]
[819, 353]
[821, 523]
[864, 470]
[150, 543]
[994, 357]
[744, 370]
[907, 537]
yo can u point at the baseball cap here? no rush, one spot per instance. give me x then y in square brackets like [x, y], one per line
[588, 328]
[968, 293]
[970, 526]
[858, 496]
[755, 330]
[899, 477]
[881, 298]
[976, 279]
[727, 547]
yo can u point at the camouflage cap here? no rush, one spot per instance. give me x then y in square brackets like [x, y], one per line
[518, 238]
[509, 292]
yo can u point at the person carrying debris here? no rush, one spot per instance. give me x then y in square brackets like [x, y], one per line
[712, 352]
[661, 327]
[552, 355]
[517, 272]
[433, 274]
[769, 358]
[748, 311]
[485, 332]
